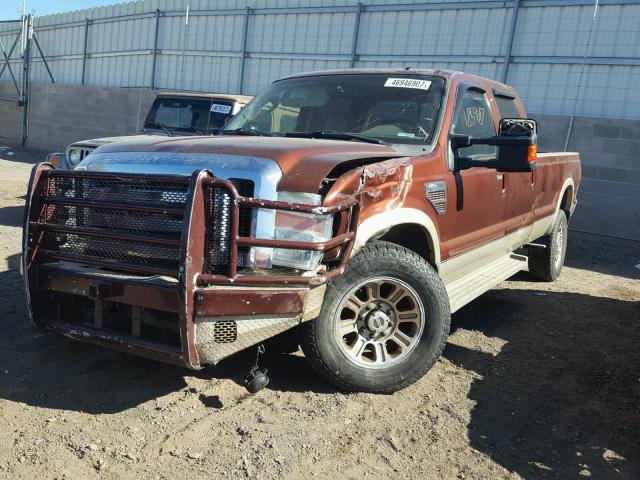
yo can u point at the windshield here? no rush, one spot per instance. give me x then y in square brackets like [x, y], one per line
[189, 115]
[393, 108]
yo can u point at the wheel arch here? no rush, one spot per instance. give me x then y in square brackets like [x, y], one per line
[406, 227]
[565, 201]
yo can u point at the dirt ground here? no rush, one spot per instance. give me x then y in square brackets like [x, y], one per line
[538, 381]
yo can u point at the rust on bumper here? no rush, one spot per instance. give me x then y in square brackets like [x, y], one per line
[94, 271]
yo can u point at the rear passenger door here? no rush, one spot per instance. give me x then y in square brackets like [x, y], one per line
[477, 216]
[519, 186]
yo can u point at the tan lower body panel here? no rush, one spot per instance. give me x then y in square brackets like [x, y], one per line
[469, 275]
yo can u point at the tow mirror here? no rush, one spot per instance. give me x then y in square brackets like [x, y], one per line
[516, 142]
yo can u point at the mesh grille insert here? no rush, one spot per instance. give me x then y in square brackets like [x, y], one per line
[145, 199]
[136, 192]
[219, 210]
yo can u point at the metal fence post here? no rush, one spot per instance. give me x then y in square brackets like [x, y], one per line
[356, 33]
[512, 33]
[84, 51]
[26, 60]
[243, 60]
[155, 51]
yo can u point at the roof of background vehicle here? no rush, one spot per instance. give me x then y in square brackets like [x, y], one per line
[221, 96]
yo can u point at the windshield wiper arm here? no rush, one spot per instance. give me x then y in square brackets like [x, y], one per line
[333, 135]
[197, 130]
[245, 131]
[160, 125]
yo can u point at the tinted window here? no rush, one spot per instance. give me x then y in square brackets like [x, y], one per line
[507, 107]
[473, 117]
[395, 108]
[185, 115]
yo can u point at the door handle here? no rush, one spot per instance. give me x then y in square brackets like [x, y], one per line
[500, 178]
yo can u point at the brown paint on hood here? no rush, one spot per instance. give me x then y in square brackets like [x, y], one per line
[304, 162]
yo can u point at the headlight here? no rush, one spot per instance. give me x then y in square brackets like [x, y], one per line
[301, 227]
[74, 156]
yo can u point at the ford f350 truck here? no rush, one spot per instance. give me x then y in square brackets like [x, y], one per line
[359, 207]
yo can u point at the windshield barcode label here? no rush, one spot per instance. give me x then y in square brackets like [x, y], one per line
[407, 83]
[217, 108]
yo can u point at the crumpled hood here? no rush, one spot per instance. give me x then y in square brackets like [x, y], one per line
[304, 162]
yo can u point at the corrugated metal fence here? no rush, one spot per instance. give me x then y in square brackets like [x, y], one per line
[561, 59]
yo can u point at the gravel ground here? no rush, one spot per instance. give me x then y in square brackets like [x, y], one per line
[538, 381]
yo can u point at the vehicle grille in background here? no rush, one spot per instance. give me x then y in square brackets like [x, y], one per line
[219, 213]
[143, 232]
[84, 151]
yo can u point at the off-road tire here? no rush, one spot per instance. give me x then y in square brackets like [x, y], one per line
[544, 264]
[319, 342]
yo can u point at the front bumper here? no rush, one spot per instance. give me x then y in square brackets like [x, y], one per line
[183, 312]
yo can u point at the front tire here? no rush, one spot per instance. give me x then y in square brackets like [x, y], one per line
[546, 263]
[383, 323]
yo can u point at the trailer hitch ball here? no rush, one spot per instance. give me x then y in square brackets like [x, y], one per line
[257, 377]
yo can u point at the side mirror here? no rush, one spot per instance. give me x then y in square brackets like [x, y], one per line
[518, 147]
[459, 141]
[516, 142]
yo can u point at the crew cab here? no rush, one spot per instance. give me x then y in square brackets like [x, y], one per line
[357, 209]
[170, 114]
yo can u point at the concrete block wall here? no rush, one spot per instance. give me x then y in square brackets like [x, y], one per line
[10, 114]
[609, 196]
[63, 114]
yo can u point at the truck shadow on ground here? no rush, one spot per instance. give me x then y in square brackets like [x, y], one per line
[611, 256]
[560, 400]
[47, 370]
[12, 216]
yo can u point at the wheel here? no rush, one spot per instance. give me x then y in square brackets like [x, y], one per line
[546, 263]
[383, 323]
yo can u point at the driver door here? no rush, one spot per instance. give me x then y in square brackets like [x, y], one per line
[477, 218]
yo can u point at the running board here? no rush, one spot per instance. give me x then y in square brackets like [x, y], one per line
[483, 278]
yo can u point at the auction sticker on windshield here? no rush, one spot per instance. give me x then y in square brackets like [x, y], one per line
[408, 83]
[218, 108]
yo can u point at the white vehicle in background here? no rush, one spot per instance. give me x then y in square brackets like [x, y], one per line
[170, 115]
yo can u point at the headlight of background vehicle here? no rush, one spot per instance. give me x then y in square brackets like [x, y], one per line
[74, 156]
[301, 227]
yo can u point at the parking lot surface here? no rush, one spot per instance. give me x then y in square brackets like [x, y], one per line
[538, 381]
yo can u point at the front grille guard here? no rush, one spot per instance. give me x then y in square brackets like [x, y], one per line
[190, 247]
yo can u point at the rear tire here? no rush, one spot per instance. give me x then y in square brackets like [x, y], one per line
[546, 263]
[383, 323]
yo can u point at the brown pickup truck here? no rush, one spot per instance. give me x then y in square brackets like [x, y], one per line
[356, 208]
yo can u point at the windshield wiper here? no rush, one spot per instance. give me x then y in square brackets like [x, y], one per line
[160, 125]
[245, 131]
[333, 135]
[197, 130]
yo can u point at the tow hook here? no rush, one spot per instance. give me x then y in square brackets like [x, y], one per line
[257, 378]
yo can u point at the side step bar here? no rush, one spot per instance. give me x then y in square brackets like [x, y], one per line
[485, 277]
